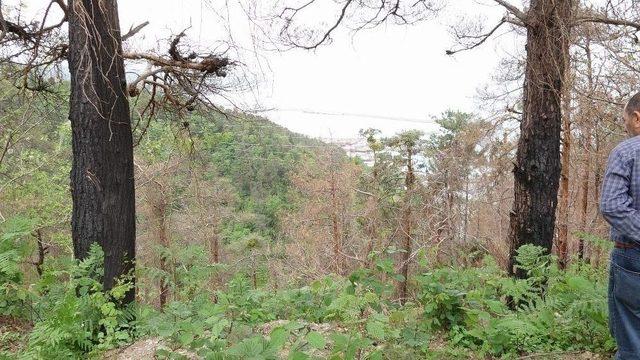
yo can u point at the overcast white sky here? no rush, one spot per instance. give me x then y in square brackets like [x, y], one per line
[391, 71]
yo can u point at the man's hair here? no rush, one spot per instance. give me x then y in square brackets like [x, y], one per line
[633, 105]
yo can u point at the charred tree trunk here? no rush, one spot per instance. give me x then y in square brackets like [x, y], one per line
[102, 183]
[537, 168]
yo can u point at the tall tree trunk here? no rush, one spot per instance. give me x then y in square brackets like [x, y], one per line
[335, 230]
[465, 228]
[407, 227]
[160, 213]
[598, 173]
[102, 183]
[373, 214]
[372, 233]
[585, 191]
[335, 222]
[448, 211]
[537, 169]
[214, 257]
[337, 254]
[563, 207]
[586, 143]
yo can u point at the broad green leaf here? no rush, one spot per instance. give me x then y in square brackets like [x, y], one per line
[278, 337]
[375, 329]
[316, 340]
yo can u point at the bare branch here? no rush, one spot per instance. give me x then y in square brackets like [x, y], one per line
[514, 21]
[134, 30]
[210, 64]
[601, 19]
[513, 10]
[482, 38]
[6, 148]
[327, 34]
[13, 28]
[353, 15]
[132, 86]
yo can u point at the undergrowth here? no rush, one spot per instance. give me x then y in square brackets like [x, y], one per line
[466, 312]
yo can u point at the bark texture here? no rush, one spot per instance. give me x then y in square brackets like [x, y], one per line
[537, 168]
[102, 182]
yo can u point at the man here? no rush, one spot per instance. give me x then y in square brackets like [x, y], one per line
[620, 206]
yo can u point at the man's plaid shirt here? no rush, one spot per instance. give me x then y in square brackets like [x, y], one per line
[620, 200]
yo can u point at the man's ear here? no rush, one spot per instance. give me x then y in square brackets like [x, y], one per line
[636, 115]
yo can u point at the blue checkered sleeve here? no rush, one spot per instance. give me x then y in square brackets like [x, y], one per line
[617, 201]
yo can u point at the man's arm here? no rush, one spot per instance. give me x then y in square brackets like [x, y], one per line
[616, 202]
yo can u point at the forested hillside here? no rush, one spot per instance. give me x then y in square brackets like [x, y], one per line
[147, 213]
[255, 242]
[188, 168]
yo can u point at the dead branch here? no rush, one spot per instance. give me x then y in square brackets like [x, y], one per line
[513, 10]
[483, 38]
[602, 19]
[134, 30]
[327, 34]
[211, 64]
[356, 15]
[180, 80]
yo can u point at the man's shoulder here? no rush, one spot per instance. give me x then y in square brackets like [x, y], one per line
[628, 148]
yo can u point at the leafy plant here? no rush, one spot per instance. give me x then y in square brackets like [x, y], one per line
[14, 249]
[80, 316]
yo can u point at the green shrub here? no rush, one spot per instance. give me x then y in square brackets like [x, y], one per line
[14, 249]
[76, 316]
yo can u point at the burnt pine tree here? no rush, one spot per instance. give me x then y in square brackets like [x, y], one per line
[537, 168]
[102, 182]
[550, 26]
